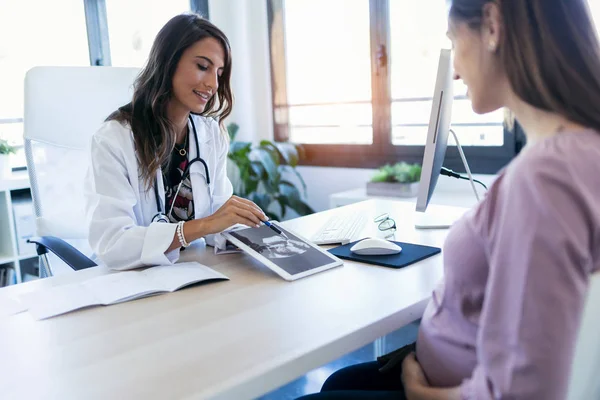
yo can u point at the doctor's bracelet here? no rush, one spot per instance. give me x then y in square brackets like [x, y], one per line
[180, 235]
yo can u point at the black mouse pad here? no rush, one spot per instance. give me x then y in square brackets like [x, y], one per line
[410, 254]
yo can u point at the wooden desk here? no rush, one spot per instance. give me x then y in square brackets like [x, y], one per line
[231, 340]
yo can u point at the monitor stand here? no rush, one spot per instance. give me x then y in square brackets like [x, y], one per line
[436, 218]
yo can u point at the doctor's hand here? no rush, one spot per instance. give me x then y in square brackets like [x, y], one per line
[235, 211]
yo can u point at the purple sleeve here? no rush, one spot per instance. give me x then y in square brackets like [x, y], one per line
[538, 248]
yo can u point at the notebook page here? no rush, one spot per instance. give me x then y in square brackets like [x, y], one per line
[120, 286]
[58, 300]
[10, 306]
[173, 277]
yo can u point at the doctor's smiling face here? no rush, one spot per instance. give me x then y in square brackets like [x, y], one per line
[196, 79]
[188, 71]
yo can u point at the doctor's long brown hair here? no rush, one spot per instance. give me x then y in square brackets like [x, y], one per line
[153, 133]
[550, 52]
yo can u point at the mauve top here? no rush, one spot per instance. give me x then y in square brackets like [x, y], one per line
[516, 272]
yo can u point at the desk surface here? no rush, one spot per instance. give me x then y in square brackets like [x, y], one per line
[229, 340]
[14, 181]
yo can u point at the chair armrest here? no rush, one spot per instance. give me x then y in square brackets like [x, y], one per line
[69, 254]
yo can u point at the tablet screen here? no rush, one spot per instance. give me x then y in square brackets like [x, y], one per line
[291, 254]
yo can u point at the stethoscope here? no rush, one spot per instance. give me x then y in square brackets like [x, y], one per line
[161, 215]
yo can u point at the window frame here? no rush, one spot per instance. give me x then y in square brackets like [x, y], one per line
[482, 159]
[97, 28]
[98, 41]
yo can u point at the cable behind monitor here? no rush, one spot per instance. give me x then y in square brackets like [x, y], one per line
[465, 163]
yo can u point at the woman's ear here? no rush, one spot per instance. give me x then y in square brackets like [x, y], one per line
[492, 26]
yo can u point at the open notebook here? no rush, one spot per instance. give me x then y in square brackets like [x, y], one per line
[116, 288]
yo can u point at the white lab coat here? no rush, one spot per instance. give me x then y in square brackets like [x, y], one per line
[120, 210]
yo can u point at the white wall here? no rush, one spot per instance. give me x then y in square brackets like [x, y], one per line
[324, 181]
[245, 23]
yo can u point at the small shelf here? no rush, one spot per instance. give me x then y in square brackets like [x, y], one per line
[8, 275]
[29, 269]
[5, 259]
[14, 181]
[27, 256]
[14, 194]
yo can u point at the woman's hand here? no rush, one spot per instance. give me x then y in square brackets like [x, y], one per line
[413, 377]
[235, 211]
[416, 386]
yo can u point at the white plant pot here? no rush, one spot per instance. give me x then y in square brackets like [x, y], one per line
[392, 189]
[4, 166]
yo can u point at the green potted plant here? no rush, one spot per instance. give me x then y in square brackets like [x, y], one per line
[5, 150]
[398, 180]
[266, 174]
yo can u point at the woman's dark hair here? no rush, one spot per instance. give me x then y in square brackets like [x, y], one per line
[550, 52]
[153, 133]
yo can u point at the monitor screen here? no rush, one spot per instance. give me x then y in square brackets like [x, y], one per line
[437, 134]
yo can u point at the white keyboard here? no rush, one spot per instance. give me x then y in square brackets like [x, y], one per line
[340, 229]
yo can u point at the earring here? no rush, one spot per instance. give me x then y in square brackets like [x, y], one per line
[492, 46]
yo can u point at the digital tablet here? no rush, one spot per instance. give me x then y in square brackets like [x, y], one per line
[289, 255]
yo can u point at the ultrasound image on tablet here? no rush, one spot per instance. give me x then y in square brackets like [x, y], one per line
[290, 253]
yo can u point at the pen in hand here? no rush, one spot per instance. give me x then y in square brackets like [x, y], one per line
[274, 228]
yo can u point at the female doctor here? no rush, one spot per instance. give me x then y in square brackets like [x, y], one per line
[157, 179]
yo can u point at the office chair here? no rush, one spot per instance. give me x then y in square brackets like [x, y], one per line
[584, 382]
[64, 106]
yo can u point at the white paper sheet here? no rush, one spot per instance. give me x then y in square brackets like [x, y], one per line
[115, 288]
[10, 306]
[172, 277]
[221, 244]
[58, 300]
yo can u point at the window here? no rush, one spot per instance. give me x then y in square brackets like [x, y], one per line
[414, 64]
[133, 25]
[356, 87]
[327, 104]
[57, 32]
[32, 36]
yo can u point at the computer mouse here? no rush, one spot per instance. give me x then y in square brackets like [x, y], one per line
[375, 247]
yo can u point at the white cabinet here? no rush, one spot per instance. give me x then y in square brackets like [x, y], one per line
[18, 259]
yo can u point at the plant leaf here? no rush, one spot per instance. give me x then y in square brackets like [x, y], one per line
[288, 189]
[380, 176]
[272, 216]
[302, 208]
[260, 172]
[283, 205]
[269, 187]
[258, 169]
[289, 153]
[6, 148]
[269, 146]
[232, 129]
[266, 158]
[289, 168]
[262, 200]
[251, 185]
[239, 149]
[293, 199]
[299, 206]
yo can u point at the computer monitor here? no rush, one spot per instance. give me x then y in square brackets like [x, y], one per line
[439, 128]
[435, 149]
